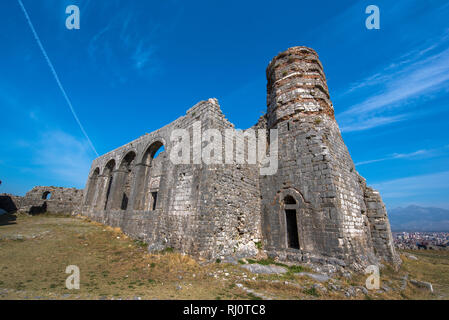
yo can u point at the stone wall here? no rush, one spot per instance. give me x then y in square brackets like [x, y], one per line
[208, 210]
[380, 227]
[44, 199]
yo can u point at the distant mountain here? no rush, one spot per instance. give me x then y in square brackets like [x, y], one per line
[415, 218]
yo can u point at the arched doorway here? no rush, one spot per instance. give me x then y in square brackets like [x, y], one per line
[291, 222]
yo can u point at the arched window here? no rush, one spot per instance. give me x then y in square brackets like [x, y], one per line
[291, 222]
[46, 195]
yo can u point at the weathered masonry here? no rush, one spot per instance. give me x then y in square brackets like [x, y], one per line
[42, 199]
[316, 207]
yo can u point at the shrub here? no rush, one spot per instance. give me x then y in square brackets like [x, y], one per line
[295, 269]
[168, 250]
[312, 291]
[140, 243]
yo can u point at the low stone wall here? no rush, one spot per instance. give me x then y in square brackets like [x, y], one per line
[42, 199]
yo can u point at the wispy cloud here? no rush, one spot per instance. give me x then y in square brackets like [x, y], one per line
[124, 46]
[411, 77]
[419, 154]
[142, 55]
[62, 156]
[422, 189]
[396, 156]
[348, 125]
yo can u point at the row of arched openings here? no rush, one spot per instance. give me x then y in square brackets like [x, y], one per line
[101, 194]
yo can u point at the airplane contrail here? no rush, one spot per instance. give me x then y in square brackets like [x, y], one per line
[36, 37]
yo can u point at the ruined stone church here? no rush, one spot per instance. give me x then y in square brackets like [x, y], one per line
[315, 208]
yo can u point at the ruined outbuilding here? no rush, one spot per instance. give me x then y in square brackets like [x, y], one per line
[42, 199]
[316, 207]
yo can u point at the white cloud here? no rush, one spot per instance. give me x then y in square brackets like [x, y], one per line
[358, 125]
[416, 188]
[416, 154]
[402, 82]
[123, 47]
[142, 55]
[63, 157]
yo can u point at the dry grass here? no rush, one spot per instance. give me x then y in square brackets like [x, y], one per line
[111, 264]
[34, 252]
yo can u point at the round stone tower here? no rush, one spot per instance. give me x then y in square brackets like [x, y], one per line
[296, 84]
[313, 207]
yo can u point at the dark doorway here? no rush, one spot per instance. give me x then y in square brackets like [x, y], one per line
[34, 210]
[154, 195]
[124, 204]
[292, 229]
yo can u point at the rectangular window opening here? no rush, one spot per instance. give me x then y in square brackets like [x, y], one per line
[154, 196]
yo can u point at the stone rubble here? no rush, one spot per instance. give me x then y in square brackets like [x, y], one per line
[422, 284]
[262, 269]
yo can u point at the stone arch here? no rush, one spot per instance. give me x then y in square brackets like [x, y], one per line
[125, 158]
[46, 195]
[92, 186]
[105, 186]
[146, 188]
[109, 167]
[124, 176]
[153, 143]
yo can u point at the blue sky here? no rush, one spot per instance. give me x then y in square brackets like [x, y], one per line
[134, 66]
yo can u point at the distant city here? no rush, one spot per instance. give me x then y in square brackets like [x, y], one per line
[420, 219]
[421, 240]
